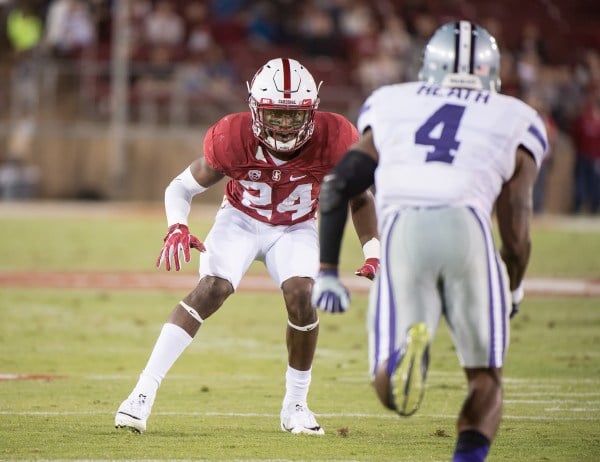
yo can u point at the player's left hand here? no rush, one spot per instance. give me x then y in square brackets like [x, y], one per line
[329, 294]
[368, 269]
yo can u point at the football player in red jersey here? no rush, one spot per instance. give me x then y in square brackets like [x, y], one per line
[276, 157]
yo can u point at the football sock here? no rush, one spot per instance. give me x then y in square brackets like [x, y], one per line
[171, 342]
[296, 386]
[471, 446]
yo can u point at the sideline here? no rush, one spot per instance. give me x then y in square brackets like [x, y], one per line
[206, 207]
[256, 283]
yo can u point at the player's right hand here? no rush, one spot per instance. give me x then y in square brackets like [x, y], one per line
[177, 240]
[329, 294]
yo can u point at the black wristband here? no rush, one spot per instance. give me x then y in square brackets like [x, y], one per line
[352, 176]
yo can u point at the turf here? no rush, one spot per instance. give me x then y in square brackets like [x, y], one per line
[98, 237]
[221, 399]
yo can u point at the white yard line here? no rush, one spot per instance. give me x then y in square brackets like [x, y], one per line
[386, 416]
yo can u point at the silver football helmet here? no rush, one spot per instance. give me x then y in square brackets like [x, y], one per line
[462, 54]
[283, 98]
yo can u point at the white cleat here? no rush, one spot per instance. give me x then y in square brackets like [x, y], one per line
[297, 418]
[133, 413]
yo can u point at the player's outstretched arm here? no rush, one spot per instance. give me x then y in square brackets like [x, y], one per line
[195, 179]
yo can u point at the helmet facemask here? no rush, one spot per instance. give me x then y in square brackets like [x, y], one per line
[282, 129]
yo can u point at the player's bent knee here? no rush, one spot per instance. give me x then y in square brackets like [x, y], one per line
[296, 293]
[297, 290]
[207, 297]
[212, 288]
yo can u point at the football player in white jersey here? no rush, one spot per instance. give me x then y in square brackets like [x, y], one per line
[442, 153]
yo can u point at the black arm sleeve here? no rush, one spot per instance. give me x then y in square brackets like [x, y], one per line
[352, 176]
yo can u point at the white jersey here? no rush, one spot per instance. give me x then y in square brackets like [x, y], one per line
[449, 147]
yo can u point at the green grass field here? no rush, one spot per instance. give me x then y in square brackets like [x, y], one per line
[221, 400]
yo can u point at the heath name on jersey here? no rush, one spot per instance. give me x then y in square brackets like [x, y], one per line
[455, 148]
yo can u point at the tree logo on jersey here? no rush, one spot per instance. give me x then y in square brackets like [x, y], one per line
[254, 175]
[276, 176]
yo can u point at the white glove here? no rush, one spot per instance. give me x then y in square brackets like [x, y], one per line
[329, 294]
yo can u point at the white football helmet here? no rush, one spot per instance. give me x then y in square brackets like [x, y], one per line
[283, 100]
[462, 54]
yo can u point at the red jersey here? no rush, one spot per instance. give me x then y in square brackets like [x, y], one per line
[282, 194]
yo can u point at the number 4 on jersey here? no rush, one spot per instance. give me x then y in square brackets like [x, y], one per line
[449, 117]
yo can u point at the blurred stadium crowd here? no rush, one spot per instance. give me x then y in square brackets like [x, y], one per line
[189, 60]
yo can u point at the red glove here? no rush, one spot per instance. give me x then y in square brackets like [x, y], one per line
[368, 269]
[178, 239]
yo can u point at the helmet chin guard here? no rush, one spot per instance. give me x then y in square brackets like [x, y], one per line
[462, 54]
[283, 98]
